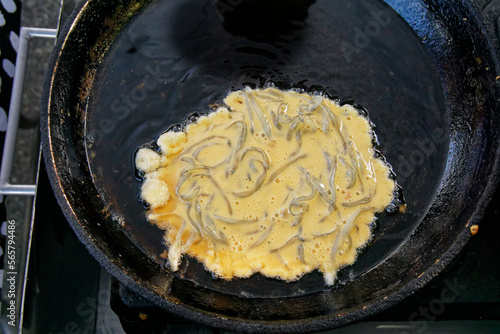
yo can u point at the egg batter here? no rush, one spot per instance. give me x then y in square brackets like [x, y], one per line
[276, 182]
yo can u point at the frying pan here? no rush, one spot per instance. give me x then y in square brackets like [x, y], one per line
[124, 71]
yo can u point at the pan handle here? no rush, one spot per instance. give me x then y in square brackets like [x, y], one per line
[6, 188]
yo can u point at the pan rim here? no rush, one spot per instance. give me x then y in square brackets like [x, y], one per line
[230, 323]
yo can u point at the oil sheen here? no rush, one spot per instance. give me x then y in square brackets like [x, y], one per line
[276, 182]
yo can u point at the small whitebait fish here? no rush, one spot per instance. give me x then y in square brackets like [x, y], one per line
[272, 182]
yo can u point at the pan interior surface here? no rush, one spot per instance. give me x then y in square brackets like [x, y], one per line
[125, 72]
[155, 76]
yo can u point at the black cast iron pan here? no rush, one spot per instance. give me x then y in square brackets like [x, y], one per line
[124, 71]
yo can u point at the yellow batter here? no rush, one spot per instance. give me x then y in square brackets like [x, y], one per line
[279, 182]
